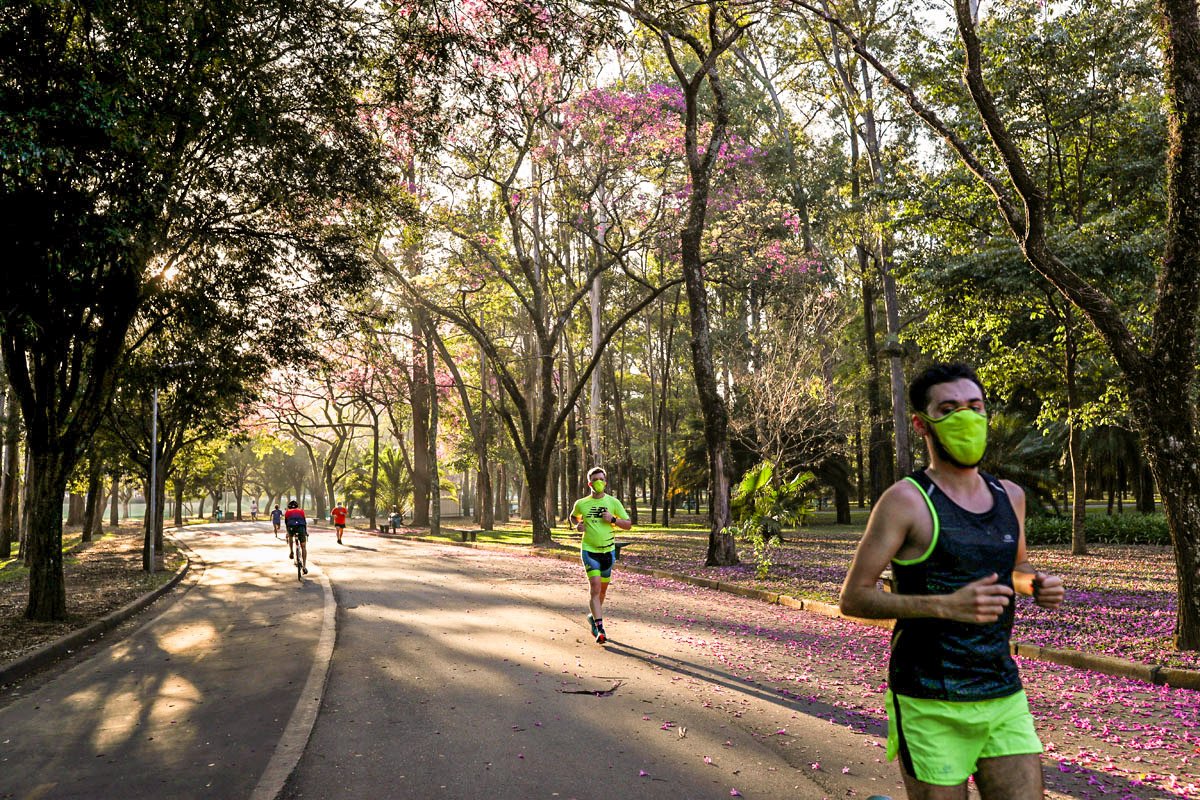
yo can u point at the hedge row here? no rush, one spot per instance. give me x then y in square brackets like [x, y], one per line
[1128, 528]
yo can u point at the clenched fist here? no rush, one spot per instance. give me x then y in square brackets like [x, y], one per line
[980, 601]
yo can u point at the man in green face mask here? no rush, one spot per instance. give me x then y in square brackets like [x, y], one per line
[597, 516]
[954, 538]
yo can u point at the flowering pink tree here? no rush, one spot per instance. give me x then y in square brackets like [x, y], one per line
[514, 238]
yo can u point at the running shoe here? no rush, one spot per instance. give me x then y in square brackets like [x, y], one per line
[290, 556]
[305, 570]
[592, 622]
[601, 637]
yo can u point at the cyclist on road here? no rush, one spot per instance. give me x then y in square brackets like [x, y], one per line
[276, 518]
[297, 527]
[339, 520]
[597, 515]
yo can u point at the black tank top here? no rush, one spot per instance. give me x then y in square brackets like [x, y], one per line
[942, 659]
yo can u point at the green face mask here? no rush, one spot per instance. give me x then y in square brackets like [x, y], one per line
[960, 436]
[598, 486]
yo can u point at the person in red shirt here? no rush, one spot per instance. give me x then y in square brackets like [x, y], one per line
[339, 520]
[297, 527]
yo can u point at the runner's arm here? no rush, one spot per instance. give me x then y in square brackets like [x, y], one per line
[1046, 589]
[621, 519]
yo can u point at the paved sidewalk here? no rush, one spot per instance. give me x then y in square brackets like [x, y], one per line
[213, 697]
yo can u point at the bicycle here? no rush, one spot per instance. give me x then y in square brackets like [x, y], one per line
[299, 552]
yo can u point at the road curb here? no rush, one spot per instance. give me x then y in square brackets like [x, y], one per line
[46, 654]
[294, 740]
[1156, 674]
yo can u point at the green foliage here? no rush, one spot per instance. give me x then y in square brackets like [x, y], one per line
[1115, 529]
[763, 504]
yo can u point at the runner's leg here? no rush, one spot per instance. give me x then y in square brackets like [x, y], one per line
[919, 790]
[596, 601]
[1010, 777]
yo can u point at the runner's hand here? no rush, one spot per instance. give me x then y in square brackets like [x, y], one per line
[980, 601]
[1048, 590]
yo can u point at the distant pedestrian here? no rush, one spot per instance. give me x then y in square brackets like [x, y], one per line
[597, 515]
[276, 518]
[339, 520]
[254, 511]
[955, 540]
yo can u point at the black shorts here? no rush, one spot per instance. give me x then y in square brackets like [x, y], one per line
[301, 534]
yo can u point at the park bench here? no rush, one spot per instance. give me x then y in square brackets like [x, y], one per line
[468, 535]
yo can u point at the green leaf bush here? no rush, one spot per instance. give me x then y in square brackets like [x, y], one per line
[1116, 529]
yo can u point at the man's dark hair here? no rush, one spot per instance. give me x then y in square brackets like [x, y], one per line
[918, 390]
[594, 470]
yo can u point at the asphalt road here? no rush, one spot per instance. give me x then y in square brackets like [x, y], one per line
[456, 673]
[472, 674]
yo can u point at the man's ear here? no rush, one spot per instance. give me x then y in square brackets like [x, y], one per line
[920, 425]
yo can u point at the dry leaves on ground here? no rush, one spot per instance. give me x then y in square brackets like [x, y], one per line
[101, 577]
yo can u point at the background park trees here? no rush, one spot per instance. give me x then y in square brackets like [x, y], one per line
[681, 241]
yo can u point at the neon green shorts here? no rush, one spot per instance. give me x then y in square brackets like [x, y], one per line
[941, 741]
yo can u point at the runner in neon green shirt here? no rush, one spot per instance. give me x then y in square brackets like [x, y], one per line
[597, 515]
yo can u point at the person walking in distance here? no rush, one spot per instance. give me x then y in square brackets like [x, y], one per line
[276, 520]
[254, 511]
[597, 515]
[339, 520]
[954, 537]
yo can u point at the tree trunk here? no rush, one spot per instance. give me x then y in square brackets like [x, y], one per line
[487, 508]
[91, 511]
[26, 509]
[502, 501]
[435, 479]
[178, 504]
[420, 422]
[10, 489]
[1171, 447]
[879, 458]
[47, 482]
[1121, 479]
[373, 508]
[153, 521]
[858, 459]
[74, 509]
[841, 504]
[114, 501]
[883, 251]
[536, 477]
[1074, 445]
[722, 549]
[1145, 489]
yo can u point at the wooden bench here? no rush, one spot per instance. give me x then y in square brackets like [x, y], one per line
[468, 535]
